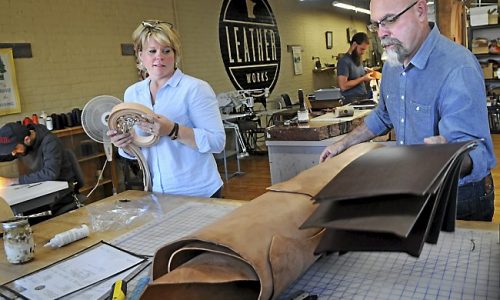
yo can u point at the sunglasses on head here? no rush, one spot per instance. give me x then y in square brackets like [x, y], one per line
[155, 24]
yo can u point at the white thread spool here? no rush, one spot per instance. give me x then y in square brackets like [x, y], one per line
[48, 123]
[69, 236]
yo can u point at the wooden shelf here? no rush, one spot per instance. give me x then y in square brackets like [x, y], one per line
[91, 157]
[90, 187]
[488, 55]
[76, 139]
[68, 131]
[491, 26]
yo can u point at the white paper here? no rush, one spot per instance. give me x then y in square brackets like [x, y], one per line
[15, 194]
[75, 273]
[297, 59]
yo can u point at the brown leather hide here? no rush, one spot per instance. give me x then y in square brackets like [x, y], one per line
[254, 252]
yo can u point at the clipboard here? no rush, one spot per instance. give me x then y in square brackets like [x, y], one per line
[86, 268]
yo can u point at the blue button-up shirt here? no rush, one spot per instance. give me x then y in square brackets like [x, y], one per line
[177, 168]
[440, 92]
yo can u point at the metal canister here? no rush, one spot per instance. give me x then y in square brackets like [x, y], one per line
[18, 241]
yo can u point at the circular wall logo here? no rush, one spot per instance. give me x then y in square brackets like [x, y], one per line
[250, 44]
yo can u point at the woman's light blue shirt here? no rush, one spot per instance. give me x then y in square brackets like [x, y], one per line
[177, 168]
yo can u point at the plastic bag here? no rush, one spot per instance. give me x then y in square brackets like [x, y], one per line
[122, 213]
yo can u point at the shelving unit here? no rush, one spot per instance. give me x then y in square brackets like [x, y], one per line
[490, 32]
[91, 157]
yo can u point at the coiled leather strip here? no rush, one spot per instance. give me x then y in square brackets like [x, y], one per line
[122, 118]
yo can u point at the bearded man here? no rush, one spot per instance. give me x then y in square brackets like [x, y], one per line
[432, 91]
[41, 152]
[351, 75]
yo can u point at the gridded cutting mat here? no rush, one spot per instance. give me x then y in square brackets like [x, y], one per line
[462, 265]
[175, 224]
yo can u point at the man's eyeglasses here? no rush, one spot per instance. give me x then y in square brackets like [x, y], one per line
[154, 24]
[389, 20]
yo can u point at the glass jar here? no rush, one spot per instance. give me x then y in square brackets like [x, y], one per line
[18, 241]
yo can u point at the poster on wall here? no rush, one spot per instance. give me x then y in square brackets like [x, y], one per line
[297, 59]
[9, 95]
[250, 44]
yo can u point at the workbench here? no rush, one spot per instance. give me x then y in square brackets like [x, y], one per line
[44, 231]
[292, 149]
[461, 264]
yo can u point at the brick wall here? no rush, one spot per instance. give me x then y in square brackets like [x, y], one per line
[77, 56]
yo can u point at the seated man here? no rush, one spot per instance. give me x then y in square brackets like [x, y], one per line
[43, 155]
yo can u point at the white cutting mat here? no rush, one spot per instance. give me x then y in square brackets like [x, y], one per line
[175, 224]
[462, 265]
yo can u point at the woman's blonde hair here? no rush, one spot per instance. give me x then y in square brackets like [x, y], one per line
[163, 32]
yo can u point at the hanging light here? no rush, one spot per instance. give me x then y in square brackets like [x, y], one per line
[351, 7]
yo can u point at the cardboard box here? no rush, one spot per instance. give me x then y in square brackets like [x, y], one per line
[488, 71]
[480, 46]
[493, 18]
[481, 15]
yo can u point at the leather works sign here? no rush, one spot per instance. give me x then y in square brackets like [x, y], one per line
[250, 44]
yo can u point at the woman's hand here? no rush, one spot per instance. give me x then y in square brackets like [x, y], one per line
[156, 125]
[120, 140]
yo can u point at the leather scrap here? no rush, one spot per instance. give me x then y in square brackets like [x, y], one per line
[122, 118]
[389, 200]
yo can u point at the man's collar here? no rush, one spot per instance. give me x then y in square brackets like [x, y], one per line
[422, 56]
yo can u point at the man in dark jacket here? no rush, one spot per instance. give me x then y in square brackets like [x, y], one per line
[41, 152]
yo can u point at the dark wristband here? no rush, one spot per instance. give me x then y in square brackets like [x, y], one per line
[175, 132]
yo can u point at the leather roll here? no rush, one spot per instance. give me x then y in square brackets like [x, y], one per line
[254, 252]
[64, 120]
[56, 122]
[122, 118]
[69, 119]
[76, 117]
[124, 114]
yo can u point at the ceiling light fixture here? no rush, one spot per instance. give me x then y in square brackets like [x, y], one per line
[351, 7]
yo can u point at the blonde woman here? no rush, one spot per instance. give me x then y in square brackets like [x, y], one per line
[186, 117]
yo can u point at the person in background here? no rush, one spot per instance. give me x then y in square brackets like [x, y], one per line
[352, 76]
[433, 92]
[186, 117]
[42, 154]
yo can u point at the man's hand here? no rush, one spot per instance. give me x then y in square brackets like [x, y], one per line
[437, 139]
[367, 77]
[331, 151]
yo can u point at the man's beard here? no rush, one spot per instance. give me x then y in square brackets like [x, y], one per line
[397, 54]
[356, 58]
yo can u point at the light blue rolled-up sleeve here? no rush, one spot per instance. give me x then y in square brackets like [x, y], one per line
[204, 112]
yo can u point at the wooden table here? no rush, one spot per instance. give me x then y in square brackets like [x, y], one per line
[44, 231]
[319, 128]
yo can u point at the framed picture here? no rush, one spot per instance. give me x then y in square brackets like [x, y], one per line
[329, 39]
[10, 102]
[350, 32]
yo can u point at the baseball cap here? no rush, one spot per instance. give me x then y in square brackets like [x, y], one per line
[11, 134]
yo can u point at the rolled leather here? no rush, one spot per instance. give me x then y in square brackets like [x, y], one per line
[254, 252]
